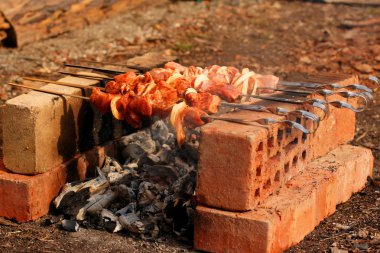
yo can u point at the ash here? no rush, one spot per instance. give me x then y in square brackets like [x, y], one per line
[148, 190]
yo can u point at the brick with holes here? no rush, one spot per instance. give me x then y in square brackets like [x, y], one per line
[241, 165]
[286, 217]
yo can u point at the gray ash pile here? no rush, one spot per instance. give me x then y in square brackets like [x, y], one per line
[148, 189]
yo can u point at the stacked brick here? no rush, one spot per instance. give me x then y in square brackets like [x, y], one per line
[253, 182]
[41, 139]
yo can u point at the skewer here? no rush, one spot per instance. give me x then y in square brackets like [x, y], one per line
[324, 92]
[374, 79]
[278, 111]
[49, 92]
[288, 100]
[332, 86]
[98, 78]
[62, 83]
[319, 103]
[142, 69]
[342, 104]
[110, 71]
[265, 122]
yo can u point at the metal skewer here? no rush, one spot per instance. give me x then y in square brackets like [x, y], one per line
[265, 122]
[142, 69]
[374, 79]
[325, 92]
[109, 71]
[332, 86]
[278, 111]
[62, 83]
[288, 100]
[49, 92]
[315, 102]
[98, 78]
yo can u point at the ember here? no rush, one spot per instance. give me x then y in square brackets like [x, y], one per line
[147, 190]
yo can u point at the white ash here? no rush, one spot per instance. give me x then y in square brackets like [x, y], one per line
[149, 188]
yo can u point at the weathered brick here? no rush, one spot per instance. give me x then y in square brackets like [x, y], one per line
[28, 197]
[240, 166]
[285, 218]
[41, 130]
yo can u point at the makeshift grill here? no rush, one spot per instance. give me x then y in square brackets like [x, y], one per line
[299, 106]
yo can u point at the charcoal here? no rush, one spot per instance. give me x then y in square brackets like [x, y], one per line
[119, 177]
[130, 166]
[154, 207]
[183, 167]
[75, 195]
[150, 193]
[164, 154]
[126, 192]
[96, 203]
[162, 174]
[136, 145]
[191, 147]
[70, 225]
[132, 223]
[185, 186]
[130, 208]
[148, 159]
[160, 132]
[115, 166]
[111, 165]
[146, 194]
[110, 221]
[135, 185]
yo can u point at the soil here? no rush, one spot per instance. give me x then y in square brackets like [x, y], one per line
[280, 37]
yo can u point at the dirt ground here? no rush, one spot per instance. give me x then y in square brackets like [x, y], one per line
[280, 37]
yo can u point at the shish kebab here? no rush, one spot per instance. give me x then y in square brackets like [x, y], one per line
[148, 84]
[258, 108]
[322, 89]
[278, 110]
[366, 96]
[306, 85]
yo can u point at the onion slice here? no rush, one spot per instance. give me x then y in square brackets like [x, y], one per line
[114, 110]
[177, 108]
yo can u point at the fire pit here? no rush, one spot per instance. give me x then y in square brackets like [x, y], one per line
[256, 173]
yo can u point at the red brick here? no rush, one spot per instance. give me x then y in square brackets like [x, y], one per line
[240, 166]
[285, 218]
[28, 197]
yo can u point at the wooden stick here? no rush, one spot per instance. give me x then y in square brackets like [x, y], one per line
[62, 83]
[98, 78]
[49, 92]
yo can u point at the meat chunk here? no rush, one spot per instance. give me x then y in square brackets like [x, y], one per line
[203, 101]
[226, 92]
[101, 100]
[175, 66]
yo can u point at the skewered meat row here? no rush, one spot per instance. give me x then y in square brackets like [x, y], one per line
[133, 97]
